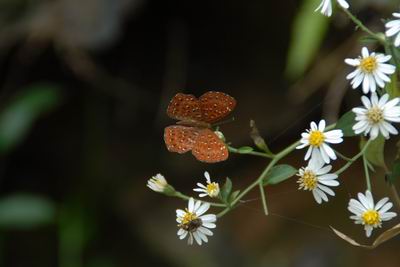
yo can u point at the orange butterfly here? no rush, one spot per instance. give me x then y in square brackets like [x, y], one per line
[193, 130]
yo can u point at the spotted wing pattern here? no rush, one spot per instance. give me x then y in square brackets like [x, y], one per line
[216, 106]
[179, 138]
[209, 148]
[184, 107]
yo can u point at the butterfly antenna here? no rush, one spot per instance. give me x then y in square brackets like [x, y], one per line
[224, 122]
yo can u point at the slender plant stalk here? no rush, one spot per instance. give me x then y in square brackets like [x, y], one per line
[254, 153]
[276, 158]
[185, 197]
[363, 27]
[367, 178]
[351, 161]
[343, 156]
[395, 195]
[263, 199]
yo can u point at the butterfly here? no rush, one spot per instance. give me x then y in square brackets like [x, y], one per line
[193, 130]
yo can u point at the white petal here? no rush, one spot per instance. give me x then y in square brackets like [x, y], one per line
[329, 151]
[343, 4]
[364, 52]
[352, 62]
[322, 194]
[366, 102]
[205, 231]
[368, 230]
[196, 206]
[329, 176]
[324, 170]
[209, 225]
[329, 182]
[381, 203]
[388, 216]
[197, 238]
[207, 175]
[209, 218]
[308, 154]
[364, 201]
[317, 197]
[326, 189]
[386, 207]
[321, 125]
[191, 205]
[203, 208]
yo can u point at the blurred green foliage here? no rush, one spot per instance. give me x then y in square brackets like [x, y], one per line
[25, 211]
[308, 31]
[18, 116]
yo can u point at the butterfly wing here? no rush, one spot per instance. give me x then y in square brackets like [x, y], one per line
[215, 106]
[184, 107]
[180, 139]
[209, 148]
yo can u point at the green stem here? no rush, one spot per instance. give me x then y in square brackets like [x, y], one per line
[343, 156]
[363, 27]
[276, 158]
[254, 153]
[353, 159]
[185, 197]
[263, 199]
[367, 178]
[395, 195]
[392, 51]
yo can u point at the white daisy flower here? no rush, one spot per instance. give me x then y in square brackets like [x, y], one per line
[393, 28]
[157, 183]
[371, 70]
[376, 116]
[368, 214]
[211, 189]
[316, 178]
[192, 222]
[326, 7]
[317, 141]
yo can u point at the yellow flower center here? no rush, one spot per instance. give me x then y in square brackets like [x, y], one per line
[188, 217]
[316, 138]
[190, 222]
[371, 217]
[368, 64]
[375, 115]
[308, 180]
[213, 189]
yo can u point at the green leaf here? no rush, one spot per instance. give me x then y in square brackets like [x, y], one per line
[392, 88]
[346, 122]
[23, 211]
[375, 153]
[368, 40]
[245, 149]
[395, 172]
[19, 115]
[279, 173]
[233, 196]
[226, 190]
[258, 140]
[308, 32]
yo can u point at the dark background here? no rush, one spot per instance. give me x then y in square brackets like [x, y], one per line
[84, 89]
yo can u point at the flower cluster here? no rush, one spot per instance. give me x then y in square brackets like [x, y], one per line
[372, 72]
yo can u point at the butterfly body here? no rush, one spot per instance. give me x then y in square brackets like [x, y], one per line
[194, 123]
[193, 130]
